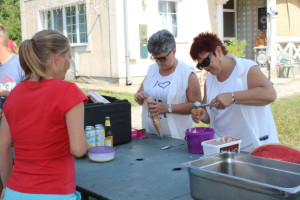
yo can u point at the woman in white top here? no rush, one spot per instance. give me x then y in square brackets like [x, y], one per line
[172, 84]
[238, 92]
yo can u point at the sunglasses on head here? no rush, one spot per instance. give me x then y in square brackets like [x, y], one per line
[205, 62]
[160, 59]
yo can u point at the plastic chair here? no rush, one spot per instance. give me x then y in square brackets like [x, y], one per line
[287, 64]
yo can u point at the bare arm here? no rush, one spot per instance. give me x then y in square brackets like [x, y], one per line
[193, 94]
[260, 92]
[260, 89]
[75, 125]
[6, 159]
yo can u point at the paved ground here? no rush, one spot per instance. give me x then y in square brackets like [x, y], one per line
[285, 87]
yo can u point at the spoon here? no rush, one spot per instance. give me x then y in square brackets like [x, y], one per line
[169, 146]
[207, 104]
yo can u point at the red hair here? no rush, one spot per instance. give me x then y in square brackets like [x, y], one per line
[206, 42]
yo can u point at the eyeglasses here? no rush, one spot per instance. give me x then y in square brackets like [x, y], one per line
[160, 59]
[205, 62]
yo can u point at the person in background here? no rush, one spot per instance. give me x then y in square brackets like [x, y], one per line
[261, 41]
[43, 117]
[238, 92]
[11, 72]
[172, 84]
[13, 47]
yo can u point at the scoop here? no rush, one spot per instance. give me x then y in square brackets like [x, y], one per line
[207, 104]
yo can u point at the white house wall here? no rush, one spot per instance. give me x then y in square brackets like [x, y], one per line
[189, 25]
[104, 56]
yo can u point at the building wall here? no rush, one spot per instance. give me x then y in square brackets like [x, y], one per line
[247, 23]
[283, 28]
[104, 56]
[89, 60]
[190, 23]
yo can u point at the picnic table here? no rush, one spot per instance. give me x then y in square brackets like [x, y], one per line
[141, 169]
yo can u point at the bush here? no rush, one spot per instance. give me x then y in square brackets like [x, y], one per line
[236, 47]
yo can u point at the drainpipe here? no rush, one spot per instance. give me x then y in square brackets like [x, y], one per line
[128, 82]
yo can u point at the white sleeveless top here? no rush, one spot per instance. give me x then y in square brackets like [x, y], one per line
[158, 89]
[246, 122]
[174, 93]
[223, 119]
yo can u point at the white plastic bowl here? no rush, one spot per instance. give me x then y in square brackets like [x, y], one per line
[101, 153]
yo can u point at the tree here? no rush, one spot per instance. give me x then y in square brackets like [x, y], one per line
[10, 17]
[236, 47]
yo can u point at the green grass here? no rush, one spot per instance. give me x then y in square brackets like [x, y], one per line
[286, 113]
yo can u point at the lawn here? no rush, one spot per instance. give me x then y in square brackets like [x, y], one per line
[286, 113]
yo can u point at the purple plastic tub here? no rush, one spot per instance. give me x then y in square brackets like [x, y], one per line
[194, 137]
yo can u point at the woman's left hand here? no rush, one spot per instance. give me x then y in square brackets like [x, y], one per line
[156, 108]
[221, 101]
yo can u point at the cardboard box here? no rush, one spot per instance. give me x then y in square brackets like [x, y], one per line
[119, 112]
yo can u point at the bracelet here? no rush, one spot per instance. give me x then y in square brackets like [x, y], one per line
[233, 98]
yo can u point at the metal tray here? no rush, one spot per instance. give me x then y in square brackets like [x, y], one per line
[241, 176]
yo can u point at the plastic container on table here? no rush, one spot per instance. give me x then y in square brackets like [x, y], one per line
[195, 136]
[102, 153]
[222, 144]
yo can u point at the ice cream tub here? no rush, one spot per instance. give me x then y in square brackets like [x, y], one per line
[222, 144]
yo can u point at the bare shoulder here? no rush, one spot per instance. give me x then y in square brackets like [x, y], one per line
[193, 80]
[256, 78]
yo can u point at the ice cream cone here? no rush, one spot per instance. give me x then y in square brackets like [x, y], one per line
[155, 119]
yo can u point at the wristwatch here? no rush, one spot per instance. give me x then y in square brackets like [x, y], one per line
[233, 98]
[170, 108]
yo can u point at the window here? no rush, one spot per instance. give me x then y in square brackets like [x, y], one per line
[69, 20]
[229, 17]
[58, 20]
[167, 11]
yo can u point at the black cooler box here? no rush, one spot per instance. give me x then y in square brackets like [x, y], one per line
[119, 112]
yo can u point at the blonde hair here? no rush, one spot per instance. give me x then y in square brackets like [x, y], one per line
[3, 35]
[36, 54]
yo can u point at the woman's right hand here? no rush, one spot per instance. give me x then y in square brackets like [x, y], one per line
[140, 97]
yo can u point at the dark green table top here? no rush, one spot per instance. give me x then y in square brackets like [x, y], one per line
[140, 170]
